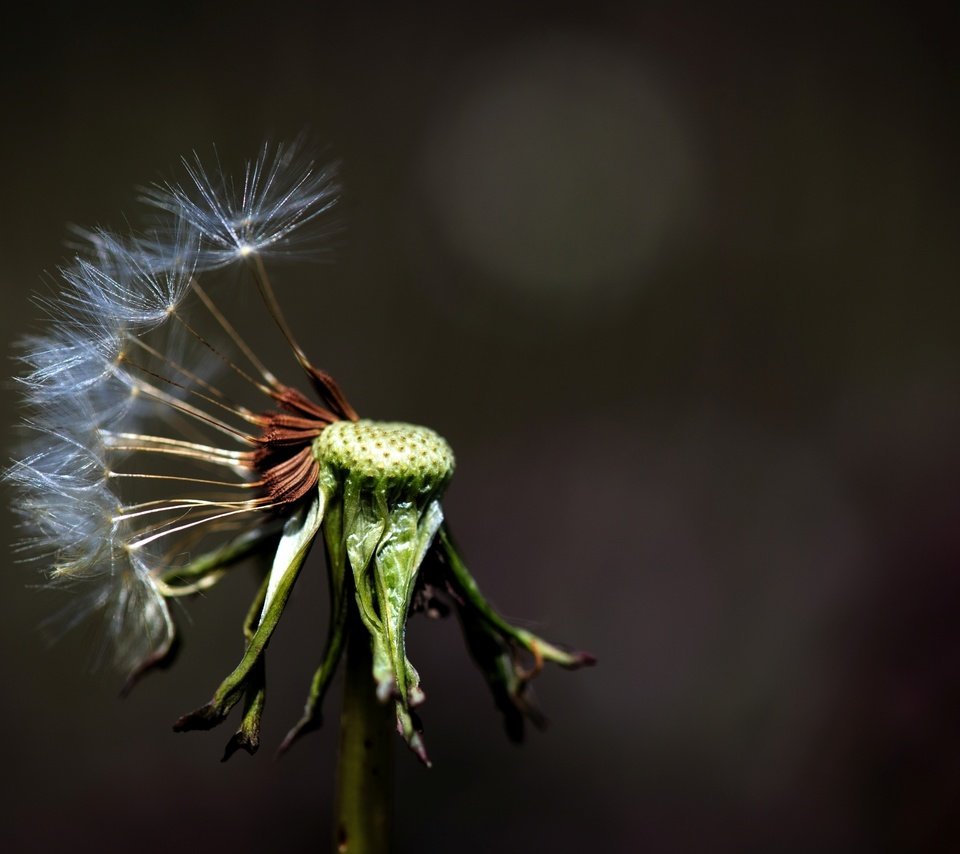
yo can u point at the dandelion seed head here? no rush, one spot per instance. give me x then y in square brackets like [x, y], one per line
[146, 479]
[403, 455]
[137, 457]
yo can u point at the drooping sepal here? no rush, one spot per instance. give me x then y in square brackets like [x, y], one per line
[204, 571]
[299, 533]
[247, 736]
[341, 587]
[498, 647]
[198, 575]
[386, 547]
[392, 475]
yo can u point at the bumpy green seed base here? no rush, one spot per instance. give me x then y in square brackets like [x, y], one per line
[386, 450]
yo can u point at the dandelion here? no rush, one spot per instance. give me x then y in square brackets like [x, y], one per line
[149, 477]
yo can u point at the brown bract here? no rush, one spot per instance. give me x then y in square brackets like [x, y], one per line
[285, 461]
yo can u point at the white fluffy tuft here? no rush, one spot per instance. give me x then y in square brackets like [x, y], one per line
[281, 192]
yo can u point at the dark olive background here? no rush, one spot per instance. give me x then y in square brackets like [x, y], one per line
[678, 281]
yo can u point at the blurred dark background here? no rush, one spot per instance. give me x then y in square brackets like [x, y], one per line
[678, 281]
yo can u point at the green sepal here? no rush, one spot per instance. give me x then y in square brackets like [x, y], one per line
[299, 533]
[204, 571]
[396, 564]
[498, 664]
[393, 573]
[364, 519]
[466, 587]
[496, 645]
[340, 590]
[199, 574]
[385, 541]
[247, 736]
[408, 725]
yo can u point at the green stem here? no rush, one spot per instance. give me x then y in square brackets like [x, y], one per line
[365, 770]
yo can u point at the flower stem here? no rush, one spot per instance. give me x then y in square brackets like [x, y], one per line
[365, 769]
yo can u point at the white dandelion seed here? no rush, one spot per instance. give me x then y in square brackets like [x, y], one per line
[72, 521]
[263, 214]
[66, 504]
[134, 282]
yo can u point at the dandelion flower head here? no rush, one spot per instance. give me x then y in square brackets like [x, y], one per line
[164, 452]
